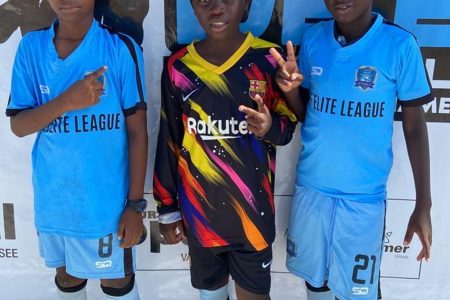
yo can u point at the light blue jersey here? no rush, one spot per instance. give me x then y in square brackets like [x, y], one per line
[347, 133]
[80, 161]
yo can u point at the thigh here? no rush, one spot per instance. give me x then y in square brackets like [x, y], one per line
[99, 258]
[209, 268]
[356, 249]
[251, 269]
[308, 241]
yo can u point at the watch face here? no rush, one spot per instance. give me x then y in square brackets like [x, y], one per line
[139, 205]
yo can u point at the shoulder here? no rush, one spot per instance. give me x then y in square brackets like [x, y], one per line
[399, 35]
[33, 38]
[258, 43]
[122, 43]
[314, 32]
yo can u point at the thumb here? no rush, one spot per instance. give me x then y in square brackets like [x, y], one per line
[121, 232]
[408, 236]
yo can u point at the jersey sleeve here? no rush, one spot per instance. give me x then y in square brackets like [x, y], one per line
[23, 95]
[413, 87]
[283, 119]
[170, 139]
[133, 95]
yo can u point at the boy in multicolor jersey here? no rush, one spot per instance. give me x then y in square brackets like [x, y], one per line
[221, 118]
[356, 69]
[90, 153]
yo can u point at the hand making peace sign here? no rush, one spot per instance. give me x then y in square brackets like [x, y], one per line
[288, 75]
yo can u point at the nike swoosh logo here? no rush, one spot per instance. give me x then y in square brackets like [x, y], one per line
[265, 265]
[188, 95]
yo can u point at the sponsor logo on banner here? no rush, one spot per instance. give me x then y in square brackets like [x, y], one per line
[7, 232]
[399, 261]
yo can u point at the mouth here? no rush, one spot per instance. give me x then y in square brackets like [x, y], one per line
[342, 7]
[218, 26]
[69, 9]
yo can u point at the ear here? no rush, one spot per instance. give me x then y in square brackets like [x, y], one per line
[247, 6]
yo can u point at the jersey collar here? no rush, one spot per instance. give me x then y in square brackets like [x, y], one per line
[230, 61]
[78, 53]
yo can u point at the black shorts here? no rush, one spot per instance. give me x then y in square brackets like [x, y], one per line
[211, 267]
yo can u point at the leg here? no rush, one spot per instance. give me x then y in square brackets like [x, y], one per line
[69, 287]
[322, 293]
[209, 272]
[251, 273]
[120, 288]
[243, 294]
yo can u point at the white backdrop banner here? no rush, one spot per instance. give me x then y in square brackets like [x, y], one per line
[163, 270]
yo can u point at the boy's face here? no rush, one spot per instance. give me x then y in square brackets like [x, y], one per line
[348, 11]
[220, 18]
[72, 10]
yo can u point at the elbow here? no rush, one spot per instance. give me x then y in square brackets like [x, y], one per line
[16, 129]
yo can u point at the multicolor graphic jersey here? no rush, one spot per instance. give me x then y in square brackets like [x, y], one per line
[208, 164]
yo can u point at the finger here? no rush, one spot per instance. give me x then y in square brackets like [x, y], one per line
[260, 102]
[297, 77]
[248, 111]
[290, 51]
[182, 231]
[282, 73]
[97, 95]
[93, 76]
[425, 239]
[120, 232]
[97, 86]
[284, 82]
[408, 237]
[277, 56]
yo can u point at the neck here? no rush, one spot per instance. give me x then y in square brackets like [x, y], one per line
[74, 30]
[225, 45]
[355, 30]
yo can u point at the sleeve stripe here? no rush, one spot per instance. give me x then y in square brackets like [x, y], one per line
[417, 102]
[132, 110]
[132, 50]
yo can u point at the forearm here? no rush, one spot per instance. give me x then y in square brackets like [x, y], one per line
[294, 100]
[33, 120]
[137, 155]
[416, 137]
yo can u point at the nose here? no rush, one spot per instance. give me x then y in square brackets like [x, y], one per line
[217, 7]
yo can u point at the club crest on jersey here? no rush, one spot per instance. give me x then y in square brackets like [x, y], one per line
[257, 87]
[366, 77]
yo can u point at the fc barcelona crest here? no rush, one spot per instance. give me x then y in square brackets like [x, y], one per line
[366, 77]
[257, 87]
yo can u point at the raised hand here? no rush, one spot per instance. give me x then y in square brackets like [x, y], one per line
[85, 92]
[258, 121]
[288, 75]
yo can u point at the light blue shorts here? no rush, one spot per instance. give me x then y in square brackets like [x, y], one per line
[87, 258]
[336, 240]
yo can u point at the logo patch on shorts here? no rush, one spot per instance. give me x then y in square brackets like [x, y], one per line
[291, 248]
[103, 264]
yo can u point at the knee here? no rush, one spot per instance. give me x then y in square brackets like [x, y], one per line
[118, 287]
[65, 281]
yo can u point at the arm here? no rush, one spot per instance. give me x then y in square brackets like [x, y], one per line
[416, 136]
[165, 183]
[81, 94]
[131, 223]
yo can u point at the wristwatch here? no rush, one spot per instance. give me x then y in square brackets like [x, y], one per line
[138, 205]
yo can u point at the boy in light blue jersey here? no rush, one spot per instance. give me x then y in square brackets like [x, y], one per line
[81, 88]
[355, 69]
